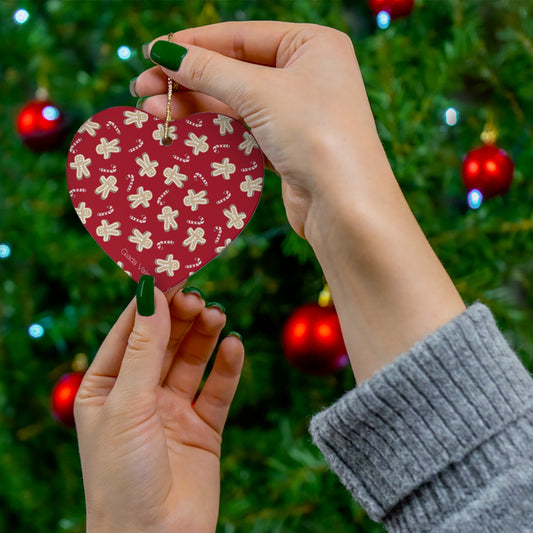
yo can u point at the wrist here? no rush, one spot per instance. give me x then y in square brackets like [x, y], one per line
[389, 288]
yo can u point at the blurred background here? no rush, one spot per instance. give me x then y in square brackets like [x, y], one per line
[440, 75]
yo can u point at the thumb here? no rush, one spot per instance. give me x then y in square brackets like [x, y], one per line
[141, 366]
[229, 80]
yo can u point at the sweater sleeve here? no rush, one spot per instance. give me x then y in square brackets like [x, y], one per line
[441, 439]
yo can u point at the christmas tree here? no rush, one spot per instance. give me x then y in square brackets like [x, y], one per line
[436, 78]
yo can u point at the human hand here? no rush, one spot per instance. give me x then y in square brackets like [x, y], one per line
[299, 88]
[150, 452]
[310, 114]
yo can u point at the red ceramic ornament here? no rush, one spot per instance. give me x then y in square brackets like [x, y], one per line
[41, 125]
[312, 340]
[63, 396]
[162, 210]
[395, 8]
[488, 169]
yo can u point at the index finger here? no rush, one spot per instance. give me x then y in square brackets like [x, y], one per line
[252, 41]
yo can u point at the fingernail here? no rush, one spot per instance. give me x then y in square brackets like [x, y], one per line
[220, 307]
[133, 92]
[140, 102]
[145, 296]
[235, 334]
[146, 50]
[193, 290]
[167, 54]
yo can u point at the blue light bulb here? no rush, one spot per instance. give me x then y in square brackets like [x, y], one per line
[475, 198]
[383, 20]
[36, 331]
[124, 52]
[21, 16]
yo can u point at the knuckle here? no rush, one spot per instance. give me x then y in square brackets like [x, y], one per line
[138, 343]
[200, 68]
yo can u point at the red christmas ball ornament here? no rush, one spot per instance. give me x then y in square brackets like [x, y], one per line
[488, 169]
[41, 125]
[312, 340]
[395, 8]
[63, 396]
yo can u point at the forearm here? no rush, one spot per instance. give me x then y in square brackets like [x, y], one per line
[389, 288]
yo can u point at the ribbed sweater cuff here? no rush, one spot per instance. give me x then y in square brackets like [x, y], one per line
[404, 431]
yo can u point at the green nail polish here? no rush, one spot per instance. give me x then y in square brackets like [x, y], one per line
[220, 307]
[140, 102]
[235, 334]
[167, 54]
[145, 296]
[146, 50]
[193, 290]
[133, 92]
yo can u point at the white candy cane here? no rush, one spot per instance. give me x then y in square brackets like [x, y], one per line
[131, 178]
[109, 170]
[71, 150]
[182, 159]
[194, 124]
[160, 199]
[197, 176]
[218, 229]
[139, 142]
[217, 147]
[227, 196]
[198, 222]
[110, 209]
[73, 192]
[110, 124]
[197, 263]
[160, 244]
[141, 220]
[253, 167]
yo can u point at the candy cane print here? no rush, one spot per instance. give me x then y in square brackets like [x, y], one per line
[197, 176]
[111, 170]
[182, 159]
[110, 124]
[227, 196]
[110, 209]
[141, 220]
[139, 142]
[194, 124]
[197, 263]
[253, 167]
[71, 149]
[73, 192]
[161, 196]
[217, 147]
[160, 244]
[218, 229]
[198, 222]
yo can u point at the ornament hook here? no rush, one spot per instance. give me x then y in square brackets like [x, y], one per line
[172, 86]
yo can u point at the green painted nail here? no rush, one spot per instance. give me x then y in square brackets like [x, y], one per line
[167, 54]
[140, 102]
[220, 307]
[193, 290]
[133, 92]
[145, 296]
[235, 334]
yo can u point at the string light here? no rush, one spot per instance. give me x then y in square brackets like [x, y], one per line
[451, 116]
[475, 198]
[21, 16]
[5, 251]
[36, 331]
[124, 52]
[383, 20]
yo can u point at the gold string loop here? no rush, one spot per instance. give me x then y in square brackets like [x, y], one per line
[171, 87]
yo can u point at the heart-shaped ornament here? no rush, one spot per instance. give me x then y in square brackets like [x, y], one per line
[163, 210]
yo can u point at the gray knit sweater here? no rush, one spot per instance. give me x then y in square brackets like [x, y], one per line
[440, 440]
